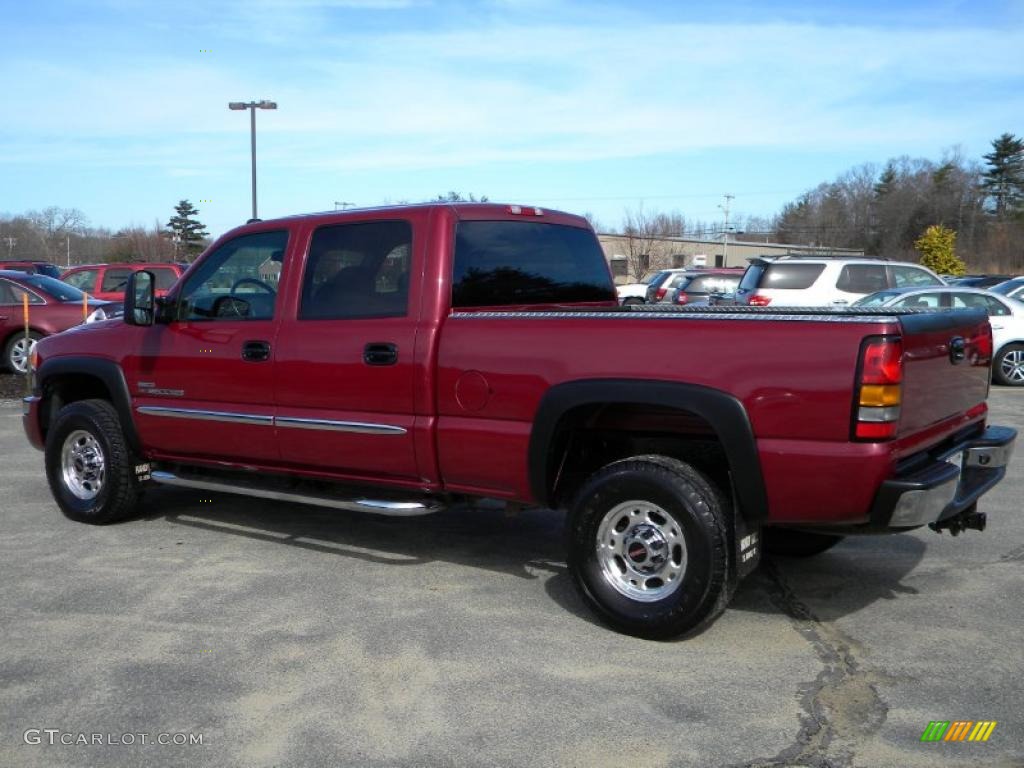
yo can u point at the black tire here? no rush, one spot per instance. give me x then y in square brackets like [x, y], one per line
[695, 512]
[1008, 367]
[12, 346]
[631, 301]
[790, 543]
[92, 426]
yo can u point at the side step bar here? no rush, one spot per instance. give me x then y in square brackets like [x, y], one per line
[375, 506]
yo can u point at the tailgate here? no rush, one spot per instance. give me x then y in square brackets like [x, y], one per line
[939, 383]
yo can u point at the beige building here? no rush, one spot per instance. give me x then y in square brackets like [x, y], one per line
[633, 257]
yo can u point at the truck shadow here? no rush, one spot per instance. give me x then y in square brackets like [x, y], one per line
[531, 545]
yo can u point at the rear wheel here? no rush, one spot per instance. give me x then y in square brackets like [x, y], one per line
[1008, 368]
[790, 543]
[649, 549]
[88, 464]
[632, 300]
[18, 352]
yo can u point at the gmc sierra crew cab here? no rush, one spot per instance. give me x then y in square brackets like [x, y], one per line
[398, 360]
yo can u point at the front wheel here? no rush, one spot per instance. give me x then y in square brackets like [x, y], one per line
[649, 549]
[1008, 367]
[88, 464]
[18, 351]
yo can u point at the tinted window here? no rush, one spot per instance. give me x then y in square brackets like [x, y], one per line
[165, 277]
[501, 263]
[910, 276]
[862, 278]
[115, 280]
[84, 280]
[752, 277]
[357, 270]
[789, 276]
[49, 270]
[238, 281]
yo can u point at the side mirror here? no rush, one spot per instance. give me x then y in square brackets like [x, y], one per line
[138, 299]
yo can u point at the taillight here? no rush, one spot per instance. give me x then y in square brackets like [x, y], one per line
[759, 300]
[659, 294]
[879, 389]
[681, 297]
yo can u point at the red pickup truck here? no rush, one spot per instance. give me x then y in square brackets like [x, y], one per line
[398, 360]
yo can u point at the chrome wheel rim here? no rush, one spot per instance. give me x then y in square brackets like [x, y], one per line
[83, 465]
[1012, 366]
[641, 551]
[21, 354]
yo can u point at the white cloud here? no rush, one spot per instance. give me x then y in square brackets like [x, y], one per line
[493, 91]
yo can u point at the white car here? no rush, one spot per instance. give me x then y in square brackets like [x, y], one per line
[1014, 288]
[1006, 315]
[821, 281]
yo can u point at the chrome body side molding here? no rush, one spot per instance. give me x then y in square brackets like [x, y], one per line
[338, 426]
[201, 415]
[328, 425]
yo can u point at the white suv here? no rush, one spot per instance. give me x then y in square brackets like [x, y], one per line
[804, 281]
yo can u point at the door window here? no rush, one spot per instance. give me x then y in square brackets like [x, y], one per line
[920, 301]
[10, 293]
[862, 278]
[238, 281]
[84, 280]
[912, 276]
[357, 271]
[115, 280]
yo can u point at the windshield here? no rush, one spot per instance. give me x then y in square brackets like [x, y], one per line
[875, 299]
[56, 288]
[1008, 287]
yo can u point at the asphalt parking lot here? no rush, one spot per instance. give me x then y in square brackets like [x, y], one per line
[290, 636]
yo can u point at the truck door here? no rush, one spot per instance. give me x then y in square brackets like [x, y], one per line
[345, 354]
[203, 383]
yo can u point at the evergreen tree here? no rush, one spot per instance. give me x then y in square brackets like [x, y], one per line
[188, 233]
[1004, 177]
[937, 247]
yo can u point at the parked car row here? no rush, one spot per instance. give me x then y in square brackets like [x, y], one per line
[54, 306]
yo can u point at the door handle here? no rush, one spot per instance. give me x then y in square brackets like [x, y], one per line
[256, 351]
[380, 353]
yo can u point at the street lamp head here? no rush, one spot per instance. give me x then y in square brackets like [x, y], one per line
[237, 105]
[267, 105]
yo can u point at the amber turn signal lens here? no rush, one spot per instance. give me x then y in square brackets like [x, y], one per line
[880, 394]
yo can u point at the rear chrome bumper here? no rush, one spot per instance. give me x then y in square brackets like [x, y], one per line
[946, 486]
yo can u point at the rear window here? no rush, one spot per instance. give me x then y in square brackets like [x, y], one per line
[711, 284]
[500, 263]
[785, 276]
[56, 288]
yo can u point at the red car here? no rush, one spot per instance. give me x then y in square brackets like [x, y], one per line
[107, 281]
[53, 307]
[397, 360]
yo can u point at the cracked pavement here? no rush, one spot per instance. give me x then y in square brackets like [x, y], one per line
[292, 636]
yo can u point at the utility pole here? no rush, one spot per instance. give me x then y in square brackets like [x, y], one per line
[252, 106]
[725, 232]
[69, 250]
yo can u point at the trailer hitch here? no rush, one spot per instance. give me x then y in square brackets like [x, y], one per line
[970, 518]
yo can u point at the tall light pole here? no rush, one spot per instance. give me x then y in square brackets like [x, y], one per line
[252, 106]
[725, 234]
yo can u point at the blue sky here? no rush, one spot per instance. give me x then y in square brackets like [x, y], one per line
[117, 108]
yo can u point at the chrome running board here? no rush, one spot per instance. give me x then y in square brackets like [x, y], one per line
[375, 506]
